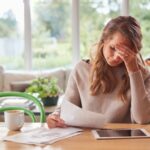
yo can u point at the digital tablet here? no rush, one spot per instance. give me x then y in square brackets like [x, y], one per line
[120, 133]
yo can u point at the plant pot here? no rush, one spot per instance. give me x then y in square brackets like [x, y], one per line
[50, 101]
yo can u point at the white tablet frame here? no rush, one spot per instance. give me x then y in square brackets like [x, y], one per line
[98, 137]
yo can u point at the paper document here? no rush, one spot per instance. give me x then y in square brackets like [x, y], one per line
[76, 116]
[43, 135]
[14, 101]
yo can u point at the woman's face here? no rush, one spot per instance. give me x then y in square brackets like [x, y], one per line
[109, 51]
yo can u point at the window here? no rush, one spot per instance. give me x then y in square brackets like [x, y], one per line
[51, 33]
[94, 14]
[141, 10]
[61, 32]
[11, 34]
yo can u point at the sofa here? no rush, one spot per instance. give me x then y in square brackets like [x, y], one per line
[20, 80]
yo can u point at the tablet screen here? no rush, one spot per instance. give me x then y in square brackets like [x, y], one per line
[119, 133]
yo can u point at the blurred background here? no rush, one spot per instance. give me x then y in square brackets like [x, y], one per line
[47, 34]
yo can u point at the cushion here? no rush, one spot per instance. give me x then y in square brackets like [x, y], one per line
[10, 77]
[17, 81]
[19, 85]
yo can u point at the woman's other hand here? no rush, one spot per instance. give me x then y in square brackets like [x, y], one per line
[54, 120]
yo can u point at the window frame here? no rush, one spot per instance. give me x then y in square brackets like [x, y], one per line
[124, 10]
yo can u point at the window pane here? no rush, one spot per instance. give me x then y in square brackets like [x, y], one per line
[51, 33]
[140, 9]
[11, 33]
[93, 16]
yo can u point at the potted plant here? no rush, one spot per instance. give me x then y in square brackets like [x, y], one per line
[46, 89]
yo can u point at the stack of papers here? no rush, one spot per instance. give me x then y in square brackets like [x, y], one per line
[43, 135]
[20, 102]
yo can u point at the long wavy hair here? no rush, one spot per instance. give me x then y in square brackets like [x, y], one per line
[102, 79]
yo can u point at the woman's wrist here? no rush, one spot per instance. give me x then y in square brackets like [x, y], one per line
[132, 67]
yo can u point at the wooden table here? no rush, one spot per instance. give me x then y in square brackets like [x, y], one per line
[84, 141]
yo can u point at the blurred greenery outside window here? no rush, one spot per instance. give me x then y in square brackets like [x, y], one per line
[52, 30]
[94, 14]
[11, 34]
[140, 9]
[51, 33]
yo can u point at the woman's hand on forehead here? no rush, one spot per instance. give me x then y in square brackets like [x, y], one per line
[128, 56]
[124, 50]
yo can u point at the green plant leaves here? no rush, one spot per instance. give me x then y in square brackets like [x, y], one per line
[45, 87]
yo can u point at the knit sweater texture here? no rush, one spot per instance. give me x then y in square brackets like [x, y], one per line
[136, 109]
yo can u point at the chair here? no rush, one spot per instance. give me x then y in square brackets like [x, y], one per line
[29, 112]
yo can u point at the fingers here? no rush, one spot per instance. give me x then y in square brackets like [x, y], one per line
[125, 52]
[59, 122]
[122, 49]
[55, 121]
[128, 56]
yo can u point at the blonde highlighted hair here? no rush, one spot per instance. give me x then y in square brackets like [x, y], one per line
[102, 79]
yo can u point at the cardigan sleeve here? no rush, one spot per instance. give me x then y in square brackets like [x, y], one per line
[140, 97]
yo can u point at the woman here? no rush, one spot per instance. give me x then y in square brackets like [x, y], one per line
[114, 82]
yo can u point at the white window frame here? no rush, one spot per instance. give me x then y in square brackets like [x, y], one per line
[75, 31]
[124, 10]
[27, 36]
